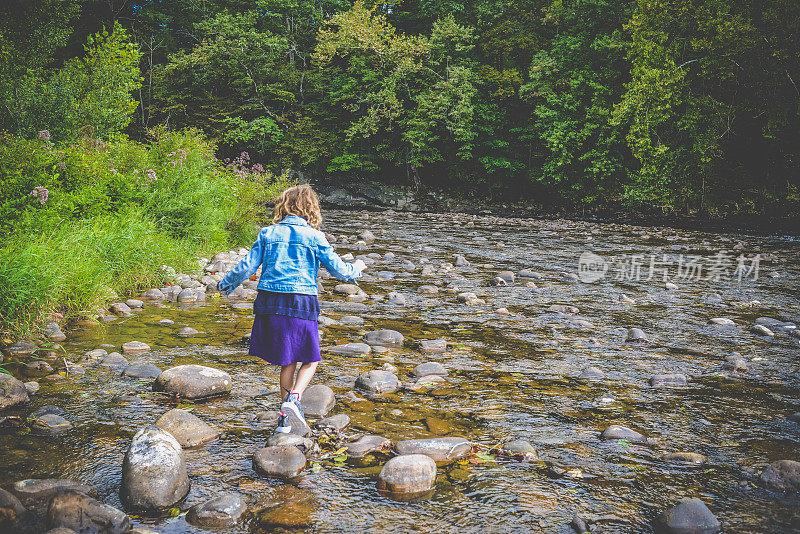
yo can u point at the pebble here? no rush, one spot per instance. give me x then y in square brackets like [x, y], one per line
[377, 382]
[288, 508]
[684, 458]
[668, 380]
[636, 335]
[351, 349]
[616, 432]
[134, 303]
[520, 447]
[135, 347]
[366, 445]
[592, 373]
[721, 321]
[407, 476]
[187, 428]
[563, 309]
[444, 449]
[223, 511]
[433, 346]
[430, 368]
[284, 461]
[186, 331]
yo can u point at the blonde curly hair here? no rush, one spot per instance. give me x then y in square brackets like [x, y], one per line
[298, 200]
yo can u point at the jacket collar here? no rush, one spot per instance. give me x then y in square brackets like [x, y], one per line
[294, 219]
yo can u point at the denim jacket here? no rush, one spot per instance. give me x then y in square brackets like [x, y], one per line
[289, 254]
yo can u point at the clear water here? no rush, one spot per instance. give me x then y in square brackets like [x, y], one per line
[511, 376]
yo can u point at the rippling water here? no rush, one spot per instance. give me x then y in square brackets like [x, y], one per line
[511, 376]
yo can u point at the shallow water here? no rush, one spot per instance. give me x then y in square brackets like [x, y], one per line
[511, 376]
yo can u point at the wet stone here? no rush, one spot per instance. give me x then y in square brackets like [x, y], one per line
[433, 346]
[721, 322]
[120, 309]
[336, 422]
[396, 299]
[428, 289]
[520, 447]
[49, 424]
[219, 512]
[187, 428]
[284, 461]
[21, 348]
[186, 331]
[735, 363]
[10, 510]
[691, 458]
[377, 382]
[617, 432]
[384, 338]
[194, 381]
[761, 330]
[636, 335]
[592, 373]
[154, 475]
[407, 476]
[439, 449]
[783, 475]
[32, 387]
[563, 309]
[528, 274]
[690, 516]
[288, 508]
[135, 347]
[430, 368]
[293, 440]
[41, 489]
[367, 444]
[153, 294]
[668, 380]
[114, 361]
[83, 514]
[12, 392]
[37, 368]
[145, 371]
[318, 400]
[351, 349]
[134, 303]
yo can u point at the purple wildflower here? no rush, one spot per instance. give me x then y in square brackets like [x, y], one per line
[44, 135]
[40, 193]
[61, 165]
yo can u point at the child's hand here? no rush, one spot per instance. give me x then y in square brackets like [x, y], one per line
[359, 264]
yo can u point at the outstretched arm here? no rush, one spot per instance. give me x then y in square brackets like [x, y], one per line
[335, 265]
[244, 269]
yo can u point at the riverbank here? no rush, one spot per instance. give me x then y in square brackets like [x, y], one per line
[376, 195]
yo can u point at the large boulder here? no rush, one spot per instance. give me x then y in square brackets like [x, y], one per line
[409, 476]
[187, 428]
[12, 391]
[76, 510]
[220, 512]
[285, 461]
[377, 382]
[194, 382]
[690, 516]
[154, 475]
[318, 400]
[384, 338]
[438, 449]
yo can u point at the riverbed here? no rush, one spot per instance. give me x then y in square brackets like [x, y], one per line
[514, 372]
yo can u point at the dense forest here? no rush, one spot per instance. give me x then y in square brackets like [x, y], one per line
[687, 106]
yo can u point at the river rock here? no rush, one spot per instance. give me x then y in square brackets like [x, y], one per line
[439, 449]
[187, 428]
[563, 309]
[114, 361]
[278, 439]
[143, 371]
[368, 444]
[154, 475]
[671, 380]
[76, 510]
[407, 476]
[616, 432]
[528, 274]
[636, 335]
[318, 400]
[287, 508]
[460, 261]
[351, 349]
[120, 309]
[41, 489]
[285, 461]
[469, 298]
[396, 299]
[194, 381]
[12, 392]
[48, 424]
[347, 289]
[186, 331]
[377, 382]
[430, 368]
[135, 347]
[592, 373]
[721, 321]
[690, 516]
[761, 330]
[684, 458]
[433, 346]
[11, 510]
[134, 303]
[37, 368]
[336, 422]
[351, 320]
[520, 447]
[783, 475]
[32, 387]
[428, 289]
[384, 338]
[153, 294]
[735, 362]
[220, 512]
[54, 333]
[20, 348]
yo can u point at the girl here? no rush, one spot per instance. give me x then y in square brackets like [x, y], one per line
[285, 330]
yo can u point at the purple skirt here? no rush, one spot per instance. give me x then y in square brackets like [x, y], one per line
[282, 340]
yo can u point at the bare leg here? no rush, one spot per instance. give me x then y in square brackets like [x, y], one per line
[287, 379]
[304, 376]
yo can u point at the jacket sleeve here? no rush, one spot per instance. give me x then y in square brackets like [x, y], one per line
[333, 263]
[244, 269]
